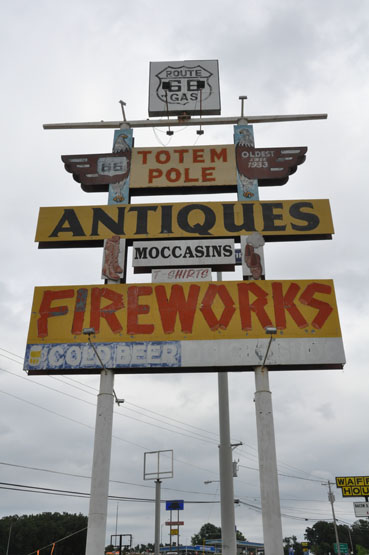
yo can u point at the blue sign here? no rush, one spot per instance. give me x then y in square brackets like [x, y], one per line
[174, 505]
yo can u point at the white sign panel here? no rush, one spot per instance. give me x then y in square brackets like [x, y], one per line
[361, 509]
[198, 252]
[181, 274]
[190, 87]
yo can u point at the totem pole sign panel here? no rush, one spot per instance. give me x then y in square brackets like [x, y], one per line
[190, 326]
[208, 168]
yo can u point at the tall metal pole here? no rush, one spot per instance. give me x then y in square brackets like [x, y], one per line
[157, 516]
[270, 502]
[96, 528]
[229, 545]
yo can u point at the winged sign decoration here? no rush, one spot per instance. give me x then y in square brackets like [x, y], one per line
[100, 170]
[272, 166]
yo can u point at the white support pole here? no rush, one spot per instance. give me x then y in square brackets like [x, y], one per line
[96, 529]
[157, 517]
[229, 545]
[270, 502]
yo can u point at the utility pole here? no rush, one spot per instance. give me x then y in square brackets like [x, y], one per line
[331, 499]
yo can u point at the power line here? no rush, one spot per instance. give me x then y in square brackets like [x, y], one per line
[89, 477]
[284, 475]
[58, 541]
[71, 493]
[200, 438]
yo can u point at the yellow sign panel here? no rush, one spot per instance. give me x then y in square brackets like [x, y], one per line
[174, 532]
[201, 311]
[292, 219]
[183, 166]
[353, 486]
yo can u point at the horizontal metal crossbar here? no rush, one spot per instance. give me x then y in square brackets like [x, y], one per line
[180, 122]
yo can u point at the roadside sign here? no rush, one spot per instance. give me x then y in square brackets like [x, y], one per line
[78, 226]
[176, 523]
[343, 548]
[184, 325]
[188, 86]
[353, 486]
[361, 509]
[196, 252]
[176, 505]
[177, 275]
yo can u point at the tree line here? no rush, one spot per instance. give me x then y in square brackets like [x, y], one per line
[65, 534]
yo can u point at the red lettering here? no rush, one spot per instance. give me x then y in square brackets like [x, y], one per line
[134, 310]
[213, 322]
[144, 154]
[154, 173]
[324, 309]
[47, 311]
[286, 302]
[187, 178]
[173, 175]
[180, 153]
[162, 156]
[207, 174]
[257, 306]
[221, 155]
[107, 312]
[198, 155]
[177, 304]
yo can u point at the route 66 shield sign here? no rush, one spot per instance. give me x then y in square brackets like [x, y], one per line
[190, 87]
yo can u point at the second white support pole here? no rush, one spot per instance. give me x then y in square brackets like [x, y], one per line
[157, 517]
[97, 516]
[270, 502]
[227, 517]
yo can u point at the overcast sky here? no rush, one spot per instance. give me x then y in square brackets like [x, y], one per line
[73, 61]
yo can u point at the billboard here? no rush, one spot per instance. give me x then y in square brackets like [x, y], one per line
[353, 486]
[194, 168]
[190, 87]
[64, 226]
[361, 509]
[190, 326]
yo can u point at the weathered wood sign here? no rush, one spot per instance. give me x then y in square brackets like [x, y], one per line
[275, 220]
[196, 252]
[197, 325]
[187, 167]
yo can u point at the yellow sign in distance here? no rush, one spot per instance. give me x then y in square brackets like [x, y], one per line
[353, 486]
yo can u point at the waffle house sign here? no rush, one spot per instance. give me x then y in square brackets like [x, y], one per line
[353, 486]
